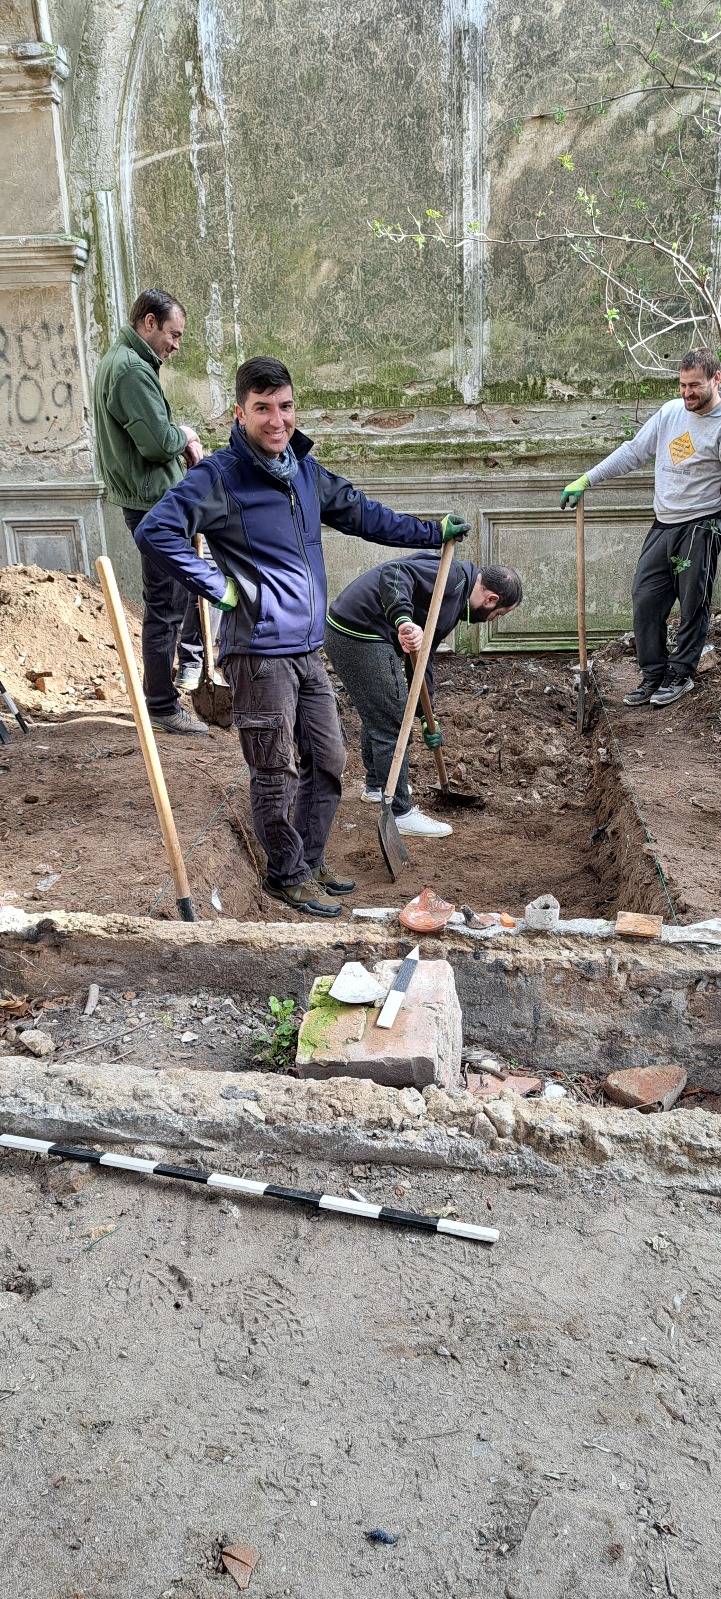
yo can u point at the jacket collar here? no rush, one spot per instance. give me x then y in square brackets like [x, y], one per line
[129, 336]
[470, 573]
[300, 442]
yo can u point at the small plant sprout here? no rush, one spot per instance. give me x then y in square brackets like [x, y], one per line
[278, 1035]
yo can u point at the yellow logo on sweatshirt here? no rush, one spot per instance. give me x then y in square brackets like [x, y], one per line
[681, 448]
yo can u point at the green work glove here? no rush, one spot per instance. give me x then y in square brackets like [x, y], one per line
[230, 597]
[573, 491]
[453, 527]
[432, 741]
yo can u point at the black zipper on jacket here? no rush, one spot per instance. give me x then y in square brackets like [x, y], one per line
[301, 547]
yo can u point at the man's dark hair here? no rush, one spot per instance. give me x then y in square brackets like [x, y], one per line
[263, 375]
[503, 581]
[706, 360]
[154, 302]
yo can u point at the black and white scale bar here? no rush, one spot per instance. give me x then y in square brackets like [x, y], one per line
[244, 1185]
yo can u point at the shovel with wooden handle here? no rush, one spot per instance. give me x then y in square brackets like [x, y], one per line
[205, 633]
[146, 736]
[581, 602]
[395, 853]
[442, 789]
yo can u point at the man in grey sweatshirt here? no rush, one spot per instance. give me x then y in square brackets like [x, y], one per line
[680, 553]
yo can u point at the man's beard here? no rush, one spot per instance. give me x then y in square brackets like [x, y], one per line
[480, 613]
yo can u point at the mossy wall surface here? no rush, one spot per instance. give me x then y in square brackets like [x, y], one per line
[288, 130]
[250, 149]
[238, 155]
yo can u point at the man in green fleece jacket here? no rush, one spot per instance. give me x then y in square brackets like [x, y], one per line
[141, 453]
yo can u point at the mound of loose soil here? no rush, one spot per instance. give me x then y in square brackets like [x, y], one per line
[56, 642]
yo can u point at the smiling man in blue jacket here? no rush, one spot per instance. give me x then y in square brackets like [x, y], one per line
[260, 504]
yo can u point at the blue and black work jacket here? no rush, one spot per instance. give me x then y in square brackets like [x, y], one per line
[372, 607]
[266, 535]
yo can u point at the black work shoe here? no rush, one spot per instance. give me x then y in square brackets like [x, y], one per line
[307, 897]
[644, 693]
[672, 688]
[180, 721]
[330, 881]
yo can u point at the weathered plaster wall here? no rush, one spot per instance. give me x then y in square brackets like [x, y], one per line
[544, 307]
[49, 500]
[238, 155]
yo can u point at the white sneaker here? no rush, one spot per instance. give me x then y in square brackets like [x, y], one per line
[419, 826]
[188, 677]
[373, 796]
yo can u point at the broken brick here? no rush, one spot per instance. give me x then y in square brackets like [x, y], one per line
[240, 1561]
[638, 1087]
[629, 924]
[489, 1087]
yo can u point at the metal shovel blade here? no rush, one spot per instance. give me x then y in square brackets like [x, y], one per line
[395, 853]
[581, 702]
[444, 794]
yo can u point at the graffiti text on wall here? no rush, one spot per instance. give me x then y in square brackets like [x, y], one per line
[38, 363]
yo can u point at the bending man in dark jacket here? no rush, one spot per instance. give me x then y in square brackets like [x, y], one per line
[377, 620]
[259, 505]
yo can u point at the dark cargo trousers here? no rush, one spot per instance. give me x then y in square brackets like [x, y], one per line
[168, 608]
[678, 562]
[283, 704]
[373, 677]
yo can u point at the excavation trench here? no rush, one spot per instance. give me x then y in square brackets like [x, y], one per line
[171, 1050]
[556, 817]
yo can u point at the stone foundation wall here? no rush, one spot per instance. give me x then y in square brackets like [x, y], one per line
[570, 1003]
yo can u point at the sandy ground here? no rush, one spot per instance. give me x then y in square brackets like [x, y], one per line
[535, 1421]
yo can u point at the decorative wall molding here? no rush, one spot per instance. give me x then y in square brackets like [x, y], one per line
[57, 524]
[31, 74]
[57, 543]
[59, 489]
[515, 492]
[26, 262]
[540, 541]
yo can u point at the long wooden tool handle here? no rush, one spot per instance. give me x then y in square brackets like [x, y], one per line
[205, 633]
[581, 585]
[431, 724]
[111, 594]
[439, 589]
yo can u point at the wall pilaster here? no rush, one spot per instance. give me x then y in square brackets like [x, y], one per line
[50, 510]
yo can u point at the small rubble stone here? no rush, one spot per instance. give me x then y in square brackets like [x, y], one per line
[38, 1042]
[542, 914]
[63, 1181]
[636, 1087]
